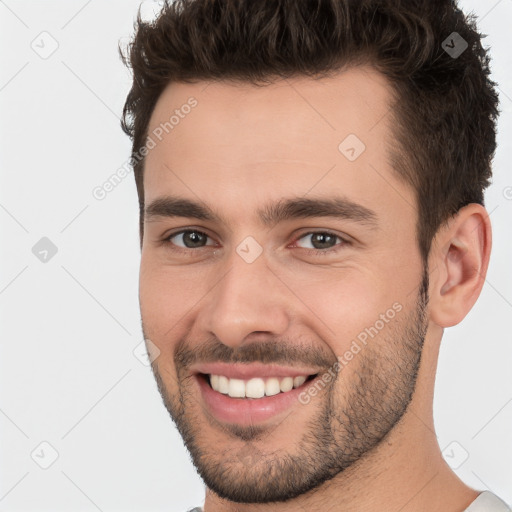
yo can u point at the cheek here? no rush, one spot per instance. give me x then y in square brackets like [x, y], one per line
[164, 302]
[350, 306]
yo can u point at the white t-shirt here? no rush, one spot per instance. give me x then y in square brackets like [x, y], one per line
[488, 502]
[485, 502]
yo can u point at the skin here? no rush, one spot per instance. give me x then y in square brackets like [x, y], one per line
[240, 148]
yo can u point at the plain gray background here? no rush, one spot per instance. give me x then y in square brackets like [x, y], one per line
[72, 372]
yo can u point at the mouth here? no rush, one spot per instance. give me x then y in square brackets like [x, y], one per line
[248, 394]
[256, 387]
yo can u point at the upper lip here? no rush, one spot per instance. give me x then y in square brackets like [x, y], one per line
[246, 371]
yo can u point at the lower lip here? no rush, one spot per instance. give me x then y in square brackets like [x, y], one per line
[247, 411]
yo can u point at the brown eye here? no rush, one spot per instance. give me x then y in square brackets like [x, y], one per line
[189, 239]
[320, 240]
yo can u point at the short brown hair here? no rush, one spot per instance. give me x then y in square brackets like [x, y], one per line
[445, 107]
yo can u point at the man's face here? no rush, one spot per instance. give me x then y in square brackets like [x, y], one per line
[267, 287]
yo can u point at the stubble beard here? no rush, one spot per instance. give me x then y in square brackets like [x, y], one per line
[352, 420]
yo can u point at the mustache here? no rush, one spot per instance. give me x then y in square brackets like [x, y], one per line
[266, 352]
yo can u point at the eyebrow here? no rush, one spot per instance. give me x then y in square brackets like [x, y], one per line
[271, 214]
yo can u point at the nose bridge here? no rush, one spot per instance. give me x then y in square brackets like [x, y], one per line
[248, 298]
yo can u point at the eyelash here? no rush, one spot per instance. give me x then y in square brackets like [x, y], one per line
[317, 252]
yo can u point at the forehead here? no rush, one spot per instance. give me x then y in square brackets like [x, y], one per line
[240, 144]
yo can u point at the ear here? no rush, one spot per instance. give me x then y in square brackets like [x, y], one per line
[458, 262]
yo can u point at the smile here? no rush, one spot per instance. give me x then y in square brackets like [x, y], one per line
[255, 387]
[254, 393]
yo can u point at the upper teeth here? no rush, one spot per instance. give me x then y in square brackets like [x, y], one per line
[254, 388]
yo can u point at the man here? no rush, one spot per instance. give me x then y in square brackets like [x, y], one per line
[310, 178]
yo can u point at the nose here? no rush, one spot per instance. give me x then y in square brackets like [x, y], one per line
[248, 299]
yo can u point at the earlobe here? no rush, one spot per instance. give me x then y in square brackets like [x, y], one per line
[461, 257]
